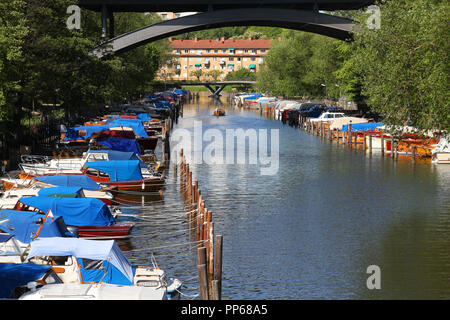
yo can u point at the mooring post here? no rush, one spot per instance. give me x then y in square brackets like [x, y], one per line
[202, 277]
[382, 143]
[370, 142]
[218, 264]
[413, 151]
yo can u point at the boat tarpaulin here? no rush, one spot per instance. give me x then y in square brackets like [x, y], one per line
[120, 155]
[120, 144]
[13, 275]
[75, 211]
[363, 126]
[83, 132]
[25, 224]
[135, 124]
[70, 180]
[118, 170]
[100, 260]
[62, 191]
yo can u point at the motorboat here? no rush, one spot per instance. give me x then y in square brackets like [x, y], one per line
[218, 112]
[123, 175]
[81, 261]
[75, 165]
[90, 217]
[441, 152]
[9, 198]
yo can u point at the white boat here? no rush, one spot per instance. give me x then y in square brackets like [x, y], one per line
[92, 291]
[75, 165]
[78, 260]
[441, 152]
[9, 198]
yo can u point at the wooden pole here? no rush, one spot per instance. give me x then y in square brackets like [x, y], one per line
[413, 150]
[202, 277]
[370, 142]
[382, 144]
[218, 263]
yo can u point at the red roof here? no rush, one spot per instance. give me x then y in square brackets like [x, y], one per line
[221, 44]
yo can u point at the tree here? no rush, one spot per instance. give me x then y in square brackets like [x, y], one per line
[197, 73]
[241, 74]
[215, 74]
[404, 65]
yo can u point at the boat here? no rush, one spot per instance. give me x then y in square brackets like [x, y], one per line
[17, 278]
[218, 112]
[25, 226]
[90, 261]
[75, 165]
[90, 217]
[441, 152]
[9, 198]
[123, 175]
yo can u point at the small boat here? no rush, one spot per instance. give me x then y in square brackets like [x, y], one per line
[23, 227]
[75, 165]
[89, 261]
[441, 152]
[124, 175]
[219, 112]
[90, 217]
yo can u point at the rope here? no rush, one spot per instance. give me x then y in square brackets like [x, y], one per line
[174, 245]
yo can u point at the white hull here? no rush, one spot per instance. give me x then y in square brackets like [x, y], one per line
[441, 157]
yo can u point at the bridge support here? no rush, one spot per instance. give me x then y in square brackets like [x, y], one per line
[107, 14]
[215, 92]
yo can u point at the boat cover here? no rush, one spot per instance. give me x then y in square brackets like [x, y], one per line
[135, 124]
[99, 260]
[120, 144]
[74, 133]
[13, 275]
[118, 170]
[75, 211]
[61, 191]
[70, 180]
[24, 225]
[120, 155]
[363, 126]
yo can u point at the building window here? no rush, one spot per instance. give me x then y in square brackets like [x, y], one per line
[262, 50]
[186, 51]
[231, 59]
[253, 59]
[238, 59]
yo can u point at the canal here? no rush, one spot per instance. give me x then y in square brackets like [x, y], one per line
[311, 230]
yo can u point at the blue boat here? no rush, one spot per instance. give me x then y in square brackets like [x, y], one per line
[91, 217]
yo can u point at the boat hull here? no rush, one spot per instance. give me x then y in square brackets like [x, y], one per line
[118, 230]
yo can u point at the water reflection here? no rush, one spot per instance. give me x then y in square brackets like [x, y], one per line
[311, 231]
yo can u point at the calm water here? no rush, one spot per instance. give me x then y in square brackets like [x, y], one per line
[311, 231]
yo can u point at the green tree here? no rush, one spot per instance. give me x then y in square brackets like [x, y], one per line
[241, 74]
[197, 73]
[215, 74]
[404, 65]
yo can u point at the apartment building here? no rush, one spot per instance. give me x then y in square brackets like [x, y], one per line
[224, 55]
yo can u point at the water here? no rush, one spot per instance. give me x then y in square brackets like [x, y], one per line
[311, 231]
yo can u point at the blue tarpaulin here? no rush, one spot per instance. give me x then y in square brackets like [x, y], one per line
[118, 170]
[70, 180]
[14, 275]
[24, 225]
[99, 260]
[363, 126]
[52, 191]
[120, 144]
[135, 124]
[75, 211]
[120, 155]
[83, 132]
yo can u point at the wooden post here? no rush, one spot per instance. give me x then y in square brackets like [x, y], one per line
[218, 263]
[215, 290]
[382, 144]
[392, 147]
[413, 150]
[365, 141]
[349, 133]
[370, 142]
[201, 269]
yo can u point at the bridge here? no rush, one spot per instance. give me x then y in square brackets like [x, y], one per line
[215, 87]
[302, 15]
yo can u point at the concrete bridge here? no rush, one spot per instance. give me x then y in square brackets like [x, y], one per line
[302, 15]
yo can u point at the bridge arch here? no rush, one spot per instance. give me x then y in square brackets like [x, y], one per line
[304, 20]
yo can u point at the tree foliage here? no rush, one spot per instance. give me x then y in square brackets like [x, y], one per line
[404, 65]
